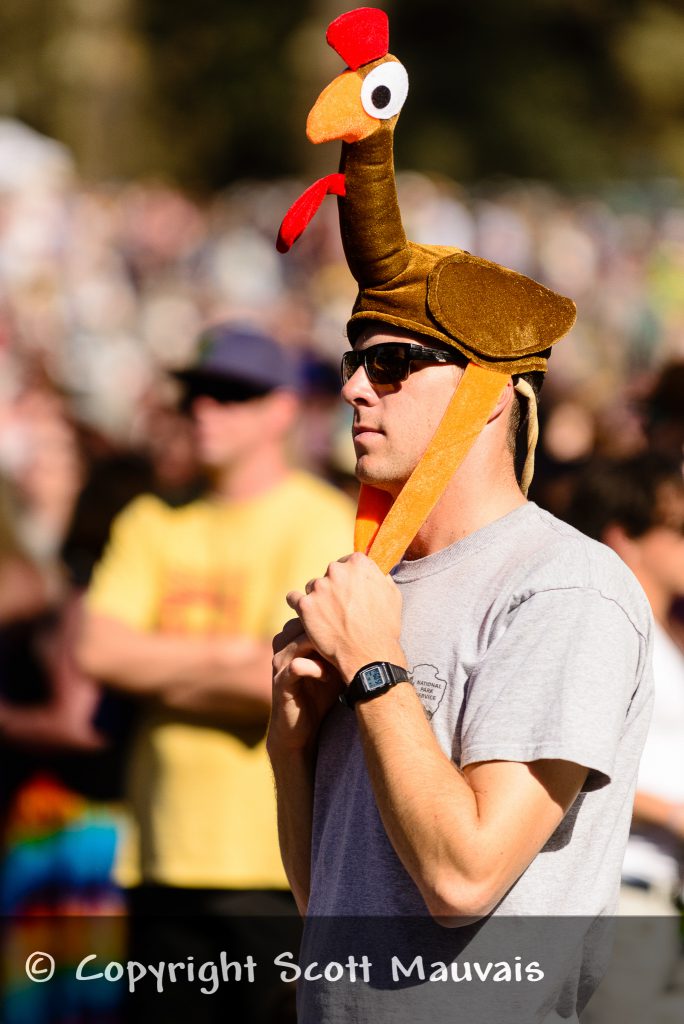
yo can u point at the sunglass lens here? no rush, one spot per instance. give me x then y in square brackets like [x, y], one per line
[350, 364]
[387, 364]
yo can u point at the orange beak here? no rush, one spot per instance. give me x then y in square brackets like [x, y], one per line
[338, 113]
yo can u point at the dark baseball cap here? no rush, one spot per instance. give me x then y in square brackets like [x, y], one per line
[239, 359]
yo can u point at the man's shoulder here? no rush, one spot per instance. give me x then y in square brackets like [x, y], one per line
[309, 506]
[149, 511]
[554, 556]
[551, 546]
[143, 509]
[314, 492]
[302, 506]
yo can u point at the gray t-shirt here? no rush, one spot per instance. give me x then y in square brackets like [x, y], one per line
[525, 640]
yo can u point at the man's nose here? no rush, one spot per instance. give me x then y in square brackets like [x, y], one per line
[202, 405]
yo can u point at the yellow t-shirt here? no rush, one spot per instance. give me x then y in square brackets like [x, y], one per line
[203, 797]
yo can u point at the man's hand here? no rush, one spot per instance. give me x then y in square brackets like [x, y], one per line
[352, 615]
[305, 687]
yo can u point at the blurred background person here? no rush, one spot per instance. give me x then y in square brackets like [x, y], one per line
[128, 220]
[180, 613]
[63, 746]
[664, 411]
[636, 507]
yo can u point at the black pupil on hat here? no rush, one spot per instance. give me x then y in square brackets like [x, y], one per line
[381, 96]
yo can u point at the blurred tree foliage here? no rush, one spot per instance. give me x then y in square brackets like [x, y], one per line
[573, 90]
[79, 71]
[222, 88]
[209, 91]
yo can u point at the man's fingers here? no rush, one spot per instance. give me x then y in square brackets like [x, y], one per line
[294, 599]
[290, 631]
[315, 668]
[299, 647]
[300, 668]
[291, 628]
[309, 668]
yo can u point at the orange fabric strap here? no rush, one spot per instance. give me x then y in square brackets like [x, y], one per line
[373, 508]
[385, 532]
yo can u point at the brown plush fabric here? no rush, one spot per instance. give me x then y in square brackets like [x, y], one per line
[373, 236]
[495, 312]
[494, 316]
[502, 322]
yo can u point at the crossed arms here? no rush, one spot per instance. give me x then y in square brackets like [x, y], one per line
[219, 676]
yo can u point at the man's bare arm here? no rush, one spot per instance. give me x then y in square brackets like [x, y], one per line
[464, 837]
[650, 809]
[304, 689]
[294, 779]
[215, 675]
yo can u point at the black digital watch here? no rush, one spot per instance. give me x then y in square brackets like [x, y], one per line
[372, 681]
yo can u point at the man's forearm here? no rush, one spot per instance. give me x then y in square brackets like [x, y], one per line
[235, 685]
[651, 809]
[204, 674]
[294, 779]
[305, 687]
[464, 837]
[421, 797]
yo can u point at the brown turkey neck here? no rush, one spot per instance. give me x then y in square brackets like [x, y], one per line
[373, 236]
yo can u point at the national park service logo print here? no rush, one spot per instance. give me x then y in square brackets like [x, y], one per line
[429, 686]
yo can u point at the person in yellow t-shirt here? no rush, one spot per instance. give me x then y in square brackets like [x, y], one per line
[180, 612]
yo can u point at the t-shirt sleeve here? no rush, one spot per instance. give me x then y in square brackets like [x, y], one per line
[556, 683]
[125, 582]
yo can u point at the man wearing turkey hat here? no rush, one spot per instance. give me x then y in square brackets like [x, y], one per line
[457, 740]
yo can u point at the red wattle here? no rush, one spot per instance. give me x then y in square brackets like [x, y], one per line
[304, 209]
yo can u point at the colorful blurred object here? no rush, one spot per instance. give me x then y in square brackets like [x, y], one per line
[59, 854]
[57, 895]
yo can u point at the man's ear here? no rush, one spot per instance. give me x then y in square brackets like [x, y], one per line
[505, 398]
[616, 538]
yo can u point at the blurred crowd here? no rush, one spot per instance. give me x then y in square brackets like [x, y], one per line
[104, 289]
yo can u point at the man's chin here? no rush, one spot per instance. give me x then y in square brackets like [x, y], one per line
[373, 476]
[213, 462]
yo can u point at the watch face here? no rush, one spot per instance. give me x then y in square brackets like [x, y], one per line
[373, 679]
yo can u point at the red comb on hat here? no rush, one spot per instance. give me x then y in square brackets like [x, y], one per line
[359, 36]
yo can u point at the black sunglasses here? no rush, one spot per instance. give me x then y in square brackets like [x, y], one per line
[390, 362]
